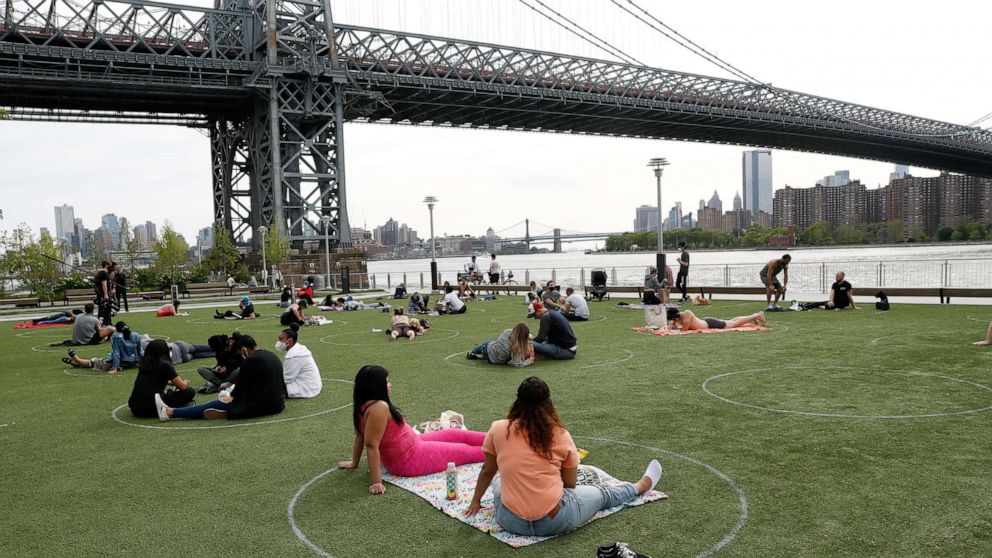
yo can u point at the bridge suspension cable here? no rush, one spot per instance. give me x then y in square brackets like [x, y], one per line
[610, 48]
[786, 95]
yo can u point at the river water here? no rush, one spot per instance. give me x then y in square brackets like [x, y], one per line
[811, 271]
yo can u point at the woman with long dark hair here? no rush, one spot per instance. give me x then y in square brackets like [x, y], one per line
[538, 466]
[125, 352]
[381, 429]
[155, 372]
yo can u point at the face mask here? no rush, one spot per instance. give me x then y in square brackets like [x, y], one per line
[280, 346]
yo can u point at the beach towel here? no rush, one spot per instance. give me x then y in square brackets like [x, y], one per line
[433, 489]
[29, 325]
[639, 306]
[664, 332]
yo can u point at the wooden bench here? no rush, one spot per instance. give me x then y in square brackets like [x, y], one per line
[261, 289]
[615, 289]
[704, 291]
[944, 294]
[78, 295]
[198, 289]
[155, 295]
[19, 302]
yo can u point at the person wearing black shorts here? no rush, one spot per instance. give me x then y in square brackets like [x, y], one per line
[102, 288]
[840, 296]
[688, 321]
[683, 276]
[769, 278]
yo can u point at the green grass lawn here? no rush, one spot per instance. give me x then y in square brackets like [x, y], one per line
[75, 482]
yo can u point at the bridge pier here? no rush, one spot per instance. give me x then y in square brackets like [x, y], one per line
[557, 242]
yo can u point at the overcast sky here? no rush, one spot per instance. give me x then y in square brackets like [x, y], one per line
[921, 58]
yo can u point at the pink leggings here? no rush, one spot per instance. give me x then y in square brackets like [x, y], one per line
[435, 449]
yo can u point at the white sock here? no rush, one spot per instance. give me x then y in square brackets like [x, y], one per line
[653, 472]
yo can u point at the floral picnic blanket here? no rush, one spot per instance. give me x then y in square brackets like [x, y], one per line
[29, 325]
[433, 489]
[670, 331]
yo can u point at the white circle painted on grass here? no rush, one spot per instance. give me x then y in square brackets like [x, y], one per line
[629, 356]
[418, 341]
[113, 415]
[91, 374]
[35, 334]
[742, 503]
[706, 389]
[49, 349]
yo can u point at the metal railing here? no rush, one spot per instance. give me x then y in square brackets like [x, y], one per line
[803, 277]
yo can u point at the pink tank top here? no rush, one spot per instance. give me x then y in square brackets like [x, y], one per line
[398, 441]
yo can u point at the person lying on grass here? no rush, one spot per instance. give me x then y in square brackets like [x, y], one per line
[125, 352]
[228, 363]
[382, 431]
[988, 338]
[170, 309]
[58, 318]
[299, 369]
[420, 326]
[245, 311]
[399, 326]
[538, 466]
[260, 390]
[512, 347]
[688, 321]
[155, 374]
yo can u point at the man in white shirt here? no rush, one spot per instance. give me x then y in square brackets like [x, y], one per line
[451, 303]
[576, 308]
[299, 370]
[493, 270]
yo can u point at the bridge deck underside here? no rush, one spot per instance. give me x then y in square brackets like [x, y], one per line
[462, 105]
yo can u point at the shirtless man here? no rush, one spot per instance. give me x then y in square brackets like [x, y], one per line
[769, 278]
[688, 321]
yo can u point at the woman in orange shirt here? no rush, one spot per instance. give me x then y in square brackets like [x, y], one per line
[538, 462]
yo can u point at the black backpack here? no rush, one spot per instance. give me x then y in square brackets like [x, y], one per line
[883, 301]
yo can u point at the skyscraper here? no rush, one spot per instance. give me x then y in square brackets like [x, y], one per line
[737, 201]
[113, 227]
[65, 223]
[715, 202]
[151, 232]
[645, 218]
[757, 180]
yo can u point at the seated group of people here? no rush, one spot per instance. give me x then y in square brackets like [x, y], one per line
[573, 306]
[536, 492]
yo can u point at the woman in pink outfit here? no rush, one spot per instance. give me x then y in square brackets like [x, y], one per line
[390, 442]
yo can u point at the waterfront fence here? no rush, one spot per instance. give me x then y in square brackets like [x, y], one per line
[804, 277]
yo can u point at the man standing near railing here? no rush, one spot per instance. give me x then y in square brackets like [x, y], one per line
[494, 270]
[683, 276]
[769, 278]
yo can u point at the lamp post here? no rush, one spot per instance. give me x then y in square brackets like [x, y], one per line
[659, 164]
[430, 201]
[262, 229]
[326, 220]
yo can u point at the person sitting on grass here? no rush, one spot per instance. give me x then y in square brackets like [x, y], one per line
[840, 296]
[155, 373]
[552, 299]
[988, 338]
[512, 347]
[286, 298]
[294, 314]
[655, 291]
[125, 352]
[87, 330]
[418, 304]
[381, 429]
[687, 321]
[451, 304]
[170, 309]
[400, 291]
[228, 363]
[538, 463]
[400, 326]
[305, 293]
[260, 390]
[58, 318]
[555, 339]
[299, 369]
[576, 308]
[464, 291]
[245, 311]
[532, 299]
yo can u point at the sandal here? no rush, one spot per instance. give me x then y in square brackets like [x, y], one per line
[67, 360]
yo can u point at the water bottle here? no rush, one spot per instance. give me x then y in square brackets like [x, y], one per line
[451, 479]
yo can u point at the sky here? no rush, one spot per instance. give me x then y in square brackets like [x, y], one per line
[911, 57]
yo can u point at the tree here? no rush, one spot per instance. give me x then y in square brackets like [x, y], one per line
[944, 233]
[893, 231]
[33, 263]
[170, 251]
[223, 255]
[975, 235]
[129, 245]
[276, 247]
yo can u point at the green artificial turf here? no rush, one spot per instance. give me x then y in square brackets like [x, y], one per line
[74, 482]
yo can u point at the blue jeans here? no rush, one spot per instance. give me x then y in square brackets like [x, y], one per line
[553, 351]
[576, 507]
[197, 411]
[481, 350]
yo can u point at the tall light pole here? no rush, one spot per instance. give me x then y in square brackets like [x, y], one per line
[430, 201]
[326, 220]
[261, 231]
[659, 164]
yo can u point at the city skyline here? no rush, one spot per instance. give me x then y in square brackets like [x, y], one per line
[592, 181]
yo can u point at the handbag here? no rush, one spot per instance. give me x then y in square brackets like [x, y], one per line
[883, 301]
[656, 315]
[448, 420]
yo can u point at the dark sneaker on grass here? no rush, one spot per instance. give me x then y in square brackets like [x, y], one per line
[618, 550]
[72, 353]
[207, 388]
[214, 414]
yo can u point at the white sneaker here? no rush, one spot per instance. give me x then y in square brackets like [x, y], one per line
[160, 407]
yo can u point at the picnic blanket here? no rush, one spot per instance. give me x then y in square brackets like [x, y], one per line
[433, 489]
[639, 306]
[749, 327]
[29, 325]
